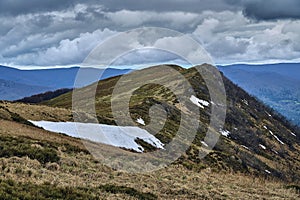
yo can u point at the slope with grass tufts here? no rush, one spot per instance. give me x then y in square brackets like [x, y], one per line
[238, 167]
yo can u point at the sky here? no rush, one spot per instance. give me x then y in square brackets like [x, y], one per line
[62, 33]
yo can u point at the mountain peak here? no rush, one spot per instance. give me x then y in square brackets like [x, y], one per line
[248, 146]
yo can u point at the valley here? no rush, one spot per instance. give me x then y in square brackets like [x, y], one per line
[277, 85]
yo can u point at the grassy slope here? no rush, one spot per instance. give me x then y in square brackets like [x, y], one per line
[246, 118]
[227, 172]
[77, 173]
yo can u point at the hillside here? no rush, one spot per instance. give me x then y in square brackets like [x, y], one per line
[259, 156]
[277, 85]
[71, 172]
[38, 98]
[249, 122]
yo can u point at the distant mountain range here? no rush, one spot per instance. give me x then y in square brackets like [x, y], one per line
[277, 85]
[10, 90]
[16, 84]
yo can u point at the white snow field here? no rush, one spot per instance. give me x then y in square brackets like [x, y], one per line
[225, 133]
[245, 147]
[140, 121]
[275, 136]
[199, 102]
[262, 146]
[118, 136]
[293, 134]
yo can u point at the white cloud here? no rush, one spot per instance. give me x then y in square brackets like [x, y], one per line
[61, 37]
[237, 39]
[128, 18]
[67, 52]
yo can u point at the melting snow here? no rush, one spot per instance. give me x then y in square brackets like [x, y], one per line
[268, 171]
[204, 143]
[265, 127]
[268, 114]
[140, 121]
[119, 136]
[199, 102]
[245, 147]
[275, 151]
[262, 146]
[293, 134]
[276, 137]
[245, 102]
[225, 133]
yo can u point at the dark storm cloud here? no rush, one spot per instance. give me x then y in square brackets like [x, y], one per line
[43, 20]
[272, 9]
[63, 32]
[17, 7]
[257, 9]
[169, 5]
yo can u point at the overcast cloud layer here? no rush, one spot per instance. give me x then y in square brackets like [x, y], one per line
[48, 33]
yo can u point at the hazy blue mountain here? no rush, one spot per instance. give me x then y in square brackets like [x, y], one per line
[23, 83]
[54, 78]
[278, 85]
[10, 90]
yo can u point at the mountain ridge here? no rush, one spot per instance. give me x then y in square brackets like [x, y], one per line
[248, 158]
[250, 125]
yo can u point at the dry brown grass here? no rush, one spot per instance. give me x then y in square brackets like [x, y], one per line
[174, 182]
[38, 112]
[81, 169]
[16, 129]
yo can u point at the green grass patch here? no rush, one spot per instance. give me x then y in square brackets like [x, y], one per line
[296, 187]
[127, 190]
[11, 190]
[20, 147]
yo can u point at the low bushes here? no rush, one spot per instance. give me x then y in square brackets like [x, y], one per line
[10, 146]
[10, 189]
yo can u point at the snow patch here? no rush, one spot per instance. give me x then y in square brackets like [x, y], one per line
[199, 102]
[265, 127]
[268, 171]
[293, 134]
[245, 147]
[271, 133]
[225, 133]
[278, 139]
[118, 136]
[268, 114]
[140, 121]
[275, 136]
[262, 146]
[245, 102]
[275, 151]
[204, 143]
